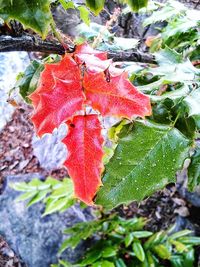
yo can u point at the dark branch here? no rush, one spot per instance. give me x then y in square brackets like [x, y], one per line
[31, 44]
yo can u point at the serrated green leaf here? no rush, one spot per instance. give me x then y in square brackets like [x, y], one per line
[67, 4]
[192, 101]
[146, 159]
[172, 9]
[139, 251]
[34, 14]
[137, 4]
[194, 170]
[84, 14]
[24, 83]
[95, 5]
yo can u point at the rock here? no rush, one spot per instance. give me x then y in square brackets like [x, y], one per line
[49, 149]
[34, 238]
[11, 64]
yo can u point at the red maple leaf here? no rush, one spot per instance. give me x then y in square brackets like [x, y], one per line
[115, 96]
[84, 162]
[59, 95]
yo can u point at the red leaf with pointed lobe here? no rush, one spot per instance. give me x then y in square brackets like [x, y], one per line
[66, 69]
[115, 96]
[58, 97]
[85, 49]
[84, 163]
[95, 61]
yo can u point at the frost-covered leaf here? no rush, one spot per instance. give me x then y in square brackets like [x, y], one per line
[115, 96]
[85, 154]
[34, 14]
[146, 159]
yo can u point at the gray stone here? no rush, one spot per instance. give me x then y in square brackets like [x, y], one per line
[34, 238]
[49, 149]
[11, 63]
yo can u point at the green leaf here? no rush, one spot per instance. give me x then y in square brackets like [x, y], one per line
[29, 80]
[38, 197]
[179, 246]
[169, 11]
[146, 159]
[162, 251]
[109, 252]
[34, 14]
[26, 196]
[142, 234]
[194, 170]
[91, 257]
[67, 4]
[192, 101]
[120, 263]
[138, 250]
[128, 239]
[155, 239]
[190, 240]
[180, 234]
[57, 204]
[95, 5]
[84, 14]
[137, 4]
[103, 264]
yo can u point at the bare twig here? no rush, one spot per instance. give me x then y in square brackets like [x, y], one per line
[30, 44]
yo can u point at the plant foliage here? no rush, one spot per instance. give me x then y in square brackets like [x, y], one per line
[124, 243]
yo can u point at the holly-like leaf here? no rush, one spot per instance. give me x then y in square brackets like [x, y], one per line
[29, 79]
[84, 50]
[84, 163]
[194, 170]
[58, 97]
[95, 5]
[146, 159]
[115, 96]
[192, 101]
[34, 14]
[137, 4]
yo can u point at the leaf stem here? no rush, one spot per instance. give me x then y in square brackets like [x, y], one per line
[58, 35]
